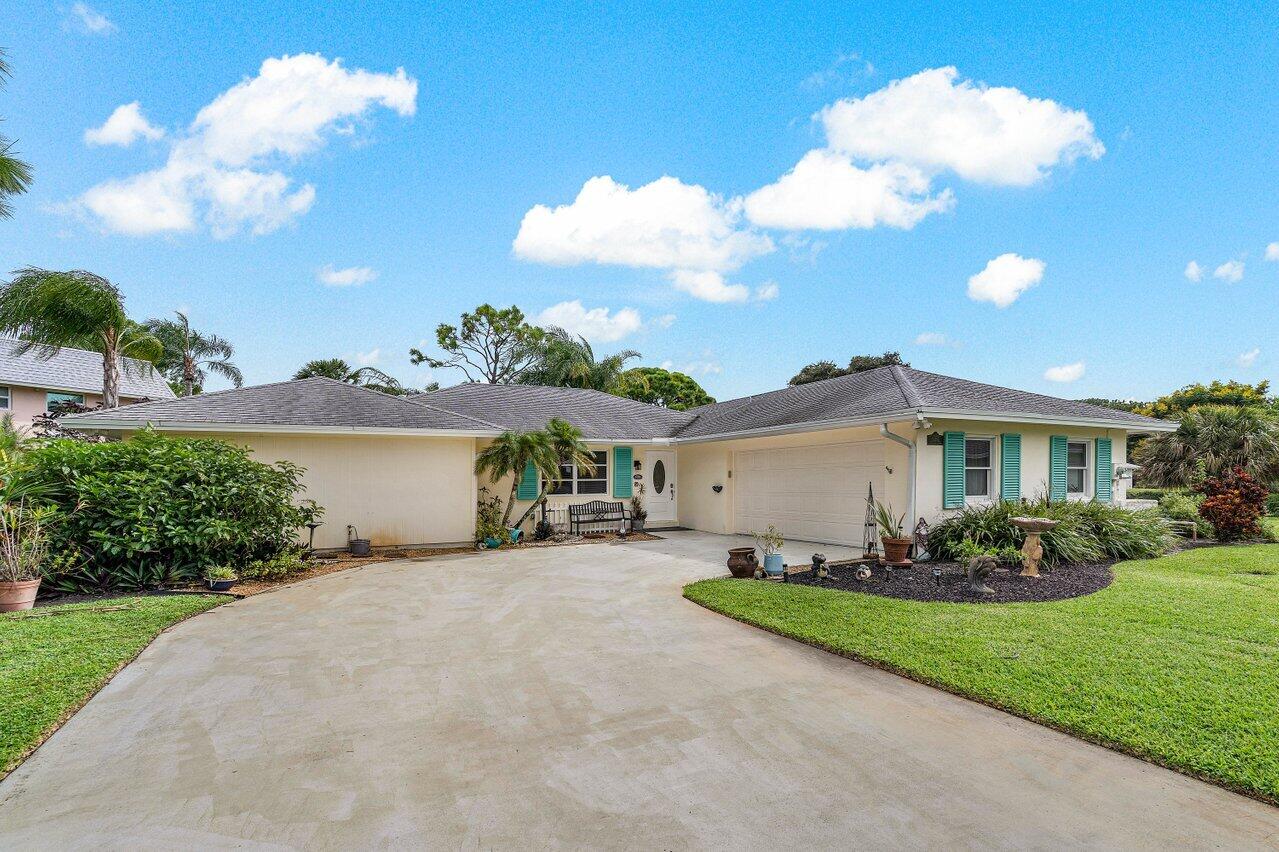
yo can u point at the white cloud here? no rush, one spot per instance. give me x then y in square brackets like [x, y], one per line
[596, 324]
[124, 126]
[666, 224]
[1247, 359]
[89, 20]
[826, 191]
[932, 338]
[351, 276]
[1194, 271]
[995, 135]
[1005, 278]
[1065, 373]
[767, 292]
[218, 170]
[707, 367]
[664, 321]
[368, 359]
[1231, 271]
[709, 286]
[842, 69]
[1272, 251]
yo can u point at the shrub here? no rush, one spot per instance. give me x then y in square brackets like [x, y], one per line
[155, 510]
[1184, 506]
[1085, 532]
[968, 549]
[1154, 493]
[279, 567]
[1272, 503]
[488, 517]
[1233, 503]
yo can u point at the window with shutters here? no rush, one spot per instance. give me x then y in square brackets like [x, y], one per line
[583, 480]
[1077, 469]
[979, 469]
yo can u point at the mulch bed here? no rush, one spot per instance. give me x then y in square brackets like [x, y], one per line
[917, 583]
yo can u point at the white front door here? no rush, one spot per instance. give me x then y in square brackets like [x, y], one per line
[659, 487]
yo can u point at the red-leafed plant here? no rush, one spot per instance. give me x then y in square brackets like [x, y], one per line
[1233, 503]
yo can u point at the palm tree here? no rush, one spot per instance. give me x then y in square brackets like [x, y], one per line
[1214, 439]
[365, 377]
[569, 361]
[566, 441]
[189, 353]
[15, 175]
[509, 455]
[50, 310]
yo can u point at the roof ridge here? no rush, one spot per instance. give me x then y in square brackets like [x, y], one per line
[909, 391]
[397, 398]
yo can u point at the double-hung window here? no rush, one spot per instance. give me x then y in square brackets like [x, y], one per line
[979, 454]
[575, 479]
[1076, 468]
[4, 398]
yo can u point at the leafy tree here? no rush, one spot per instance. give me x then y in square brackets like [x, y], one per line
[569, 361]
[365, 377]
[1130, 405]
[50, 310]
[1237, 394]
[820, 370]
[189, 355]
[566, 441]
[489, 345]
[15, 175]
[510, 453]
[666, 388]
[1212, 439]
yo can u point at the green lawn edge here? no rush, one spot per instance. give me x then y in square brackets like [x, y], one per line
[54, 664]
[1244, 760]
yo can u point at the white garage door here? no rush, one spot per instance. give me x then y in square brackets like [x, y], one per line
[813, 493]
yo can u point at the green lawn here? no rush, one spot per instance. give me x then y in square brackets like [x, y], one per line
[52, 664]
[1177, 661]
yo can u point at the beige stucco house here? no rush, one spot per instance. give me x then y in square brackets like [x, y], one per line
[32, 381]
[803, 458]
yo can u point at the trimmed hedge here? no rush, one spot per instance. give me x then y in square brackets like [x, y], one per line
[1154, 493]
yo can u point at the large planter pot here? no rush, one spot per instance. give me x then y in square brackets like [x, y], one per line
[637, 525]
[358, 546]
[515, 533]
[895, 549]
[19, 595]
[742, 562]
[773, 564]
[492, 542]
[220, 585]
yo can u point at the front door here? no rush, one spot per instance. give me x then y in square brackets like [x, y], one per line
[659, 487]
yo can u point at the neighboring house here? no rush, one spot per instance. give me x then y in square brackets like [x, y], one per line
[802, 458]
[30, 383]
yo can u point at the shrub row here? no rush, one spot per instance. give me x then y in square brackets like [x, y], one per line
[1154, 493]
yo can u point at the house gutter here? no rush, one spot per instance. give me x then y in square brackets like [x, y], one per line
[910, 451]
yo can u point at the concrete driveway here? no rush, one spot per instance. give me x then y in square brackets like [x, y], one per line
[565, 697]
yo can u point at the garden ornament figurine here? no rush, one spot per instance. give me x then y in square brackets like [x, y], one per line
[819, 566]
[1032, 552]
[979, 568]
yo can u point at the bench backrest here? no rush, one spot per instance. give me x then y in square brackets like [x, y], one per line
[596, 507]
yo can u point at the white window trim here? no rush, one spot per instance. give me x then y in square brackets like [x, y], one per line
[603, 469]
[1089, 476]
[993, 492]
[8, 398]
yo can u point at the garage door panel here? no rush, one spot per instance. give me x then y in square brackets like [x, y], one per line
[814, 492]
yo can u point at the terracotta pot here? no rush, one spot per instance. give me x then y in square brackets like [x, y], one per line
[742, 562]
[895, 549]
[19, 595]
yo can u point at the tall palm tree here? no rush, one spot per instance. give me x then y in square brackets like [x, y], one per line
[569, 361]
[189, 354]
[365, 377]
[15, 175]
[1214, 438]
[50, 310]
[510, 453]
[566, 441]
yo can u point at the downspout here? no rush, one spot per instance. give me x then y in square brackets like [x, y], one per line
[910, 490]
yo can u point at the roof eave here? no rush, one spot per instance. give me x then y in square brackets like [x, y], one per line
[117, 425]
[1048, 420]
[809, 426]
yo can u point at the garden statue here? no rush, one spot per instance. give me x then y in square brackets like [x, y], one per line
[863, 573]
[819, 566]
[979, 568]
[1032, 552]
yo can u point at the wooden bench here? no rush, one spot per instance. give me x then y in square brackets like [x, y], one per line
[1185, 529]
[597, 512]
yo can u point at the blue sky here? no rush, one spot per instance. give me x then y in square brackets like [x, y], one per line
[1112, 145]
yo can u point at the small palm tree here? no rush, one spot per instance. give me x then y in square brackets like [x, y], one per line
[50, 310]
[188, 354]
[509, 455]
[15, 175]
[566, 441]
[1214, 438]
[569, 361]
[365, 377]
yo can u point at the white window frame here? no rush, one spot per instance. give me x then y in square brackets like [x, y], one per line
[992, 481]
[77, 398]
[601, 473]
[1086, 494]
[8, 398]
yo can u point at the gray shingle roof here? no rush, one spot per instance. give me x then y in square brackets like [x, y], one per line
[76, 370]
[314, 402]
[523, 407]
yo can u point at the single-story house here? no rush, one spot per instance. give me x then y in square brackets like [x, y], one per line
[32, 382]
[803, 458]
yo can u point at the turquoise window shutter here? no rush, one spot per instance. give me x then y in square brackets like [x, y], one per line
[952, 488]
[1057, 467]
[1010, 467]
[622, 458]
[528, 483]
[1105, 471]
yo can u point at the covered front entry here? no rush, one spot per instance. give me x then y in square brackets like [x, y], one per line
[814, 492]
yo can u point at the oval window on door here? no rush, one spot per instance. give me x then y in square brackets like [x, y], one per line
[659, 476]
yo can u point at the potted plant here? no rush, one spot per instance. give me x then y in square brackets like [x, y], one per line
[770, 542]
[489, 531]
[220, 578]
[891, 533]
[24, 544]
[638, 513]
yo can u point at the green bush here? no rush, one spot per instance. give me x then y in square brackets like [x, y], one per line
[1184, 506]
[1154, 493]
[155, 510]
[1085, 532]
[279, 567]
[1272, 504]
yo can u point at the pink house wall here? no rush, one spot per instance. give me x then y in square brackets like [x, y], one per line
[25, 404]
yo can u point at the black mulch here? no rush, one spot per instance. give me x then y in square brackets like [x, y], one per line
[917, 582]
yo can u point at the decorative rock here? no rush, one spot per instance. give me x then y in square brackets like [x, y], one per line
[863, 573]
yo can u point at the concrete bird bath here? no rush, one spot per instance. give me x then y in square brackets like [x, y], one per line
[1032, 552]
